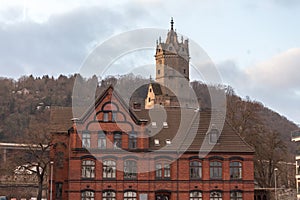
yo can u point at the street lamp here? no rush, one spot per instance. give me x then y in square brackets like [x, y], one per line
[51, 181]
[275, 170]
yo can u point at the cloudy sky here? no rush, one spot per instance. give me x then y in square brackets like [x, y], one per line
[254, 44]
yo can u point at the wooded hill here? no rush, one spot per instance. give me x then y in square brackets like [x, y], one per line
[30, 98]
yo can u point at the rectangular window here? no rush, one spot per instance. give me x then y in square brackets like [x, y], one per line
[86, 139]
[114, 116]
[235, 170]
[101, 140]
[167, 171]
[88, 169]
[58, 191]
[117, 140]
[195, 170]
[215, 170]
[105, 117]
[158, 171]
[109, 169]
[158, 71]
[130, 169]
[132, 143]
[162, 170]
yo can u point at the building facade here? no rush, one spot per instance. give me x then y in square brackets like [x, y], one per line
[296, 138]
[114, 152]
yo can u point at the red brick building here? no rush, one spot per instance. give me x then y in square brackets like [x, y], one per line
[113, 152]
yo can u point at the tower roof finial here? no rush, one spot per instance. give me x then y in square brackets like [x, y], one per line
[172, 23]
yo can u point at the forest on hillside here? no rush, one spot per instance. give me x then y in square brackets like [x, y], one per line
[29, 100]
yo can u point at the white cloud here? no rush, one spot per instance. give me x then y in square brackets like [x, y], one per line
[274, 82]
[60, 44]
[278, 72]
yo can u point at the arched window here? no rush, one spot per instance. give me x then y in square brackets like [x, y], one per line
[109, 169]
[196, 195]
[236, 195]
[88, 169]
[109, 195]
[235, 170]
[130, 169]
[130, 195]
[195, 169]
[132, 143]
[87, 195]
[101, 140]
[215, 169]
[215, 195]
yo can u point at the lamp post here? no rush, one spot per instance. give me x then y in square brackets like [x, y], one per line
[275, 170]
[51, 181]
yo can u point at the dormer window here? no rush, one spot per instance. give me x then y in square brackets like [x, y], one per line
[153, 124]
[168, 142]
[156, 142]
[213, 136]
[165, 124]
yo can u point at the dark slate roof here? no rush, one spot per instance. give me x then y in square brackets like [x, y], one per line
[156, 88]
[188, 130]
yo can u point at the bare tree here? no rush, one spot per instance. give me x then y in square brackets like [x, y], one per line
[269, 148]
[35, 158]
[270, 151]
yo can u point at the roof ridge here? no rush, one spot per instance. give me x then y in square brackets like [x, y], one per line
[240, 137]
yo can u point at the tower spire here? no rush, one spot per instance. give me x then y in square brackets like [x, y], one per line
[172, 23]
